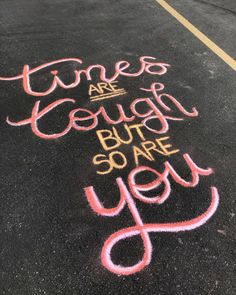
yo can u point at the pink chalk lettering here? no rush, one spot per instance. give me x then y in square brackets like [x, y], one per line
[153, 113]
[155, 87]
[148, 64]
[143, 229]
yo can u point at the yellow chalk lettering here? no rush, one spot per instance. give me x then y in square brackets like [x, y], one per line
[139, 152]
[114, 142]
[114, 163]
[93, 88]
[103, 86]
[113, 87]
[137, 127]
[128, 132]
[151, 146]
[164, 147]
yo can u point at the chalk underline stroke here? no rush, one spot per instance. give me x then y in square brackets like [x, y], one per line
[202, 37]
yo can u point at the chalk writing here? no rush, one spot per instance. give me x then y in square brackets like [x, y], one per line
[148, 64]
[110, 140]
[153, 107]
[143, 229]
[104, 90]
[153, 113]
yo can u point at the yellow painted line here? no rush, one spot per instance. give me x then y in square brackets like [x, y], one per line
[202, 37]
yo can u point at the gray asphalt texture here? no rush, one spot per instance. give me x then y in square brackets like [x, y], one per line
[50, 240]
